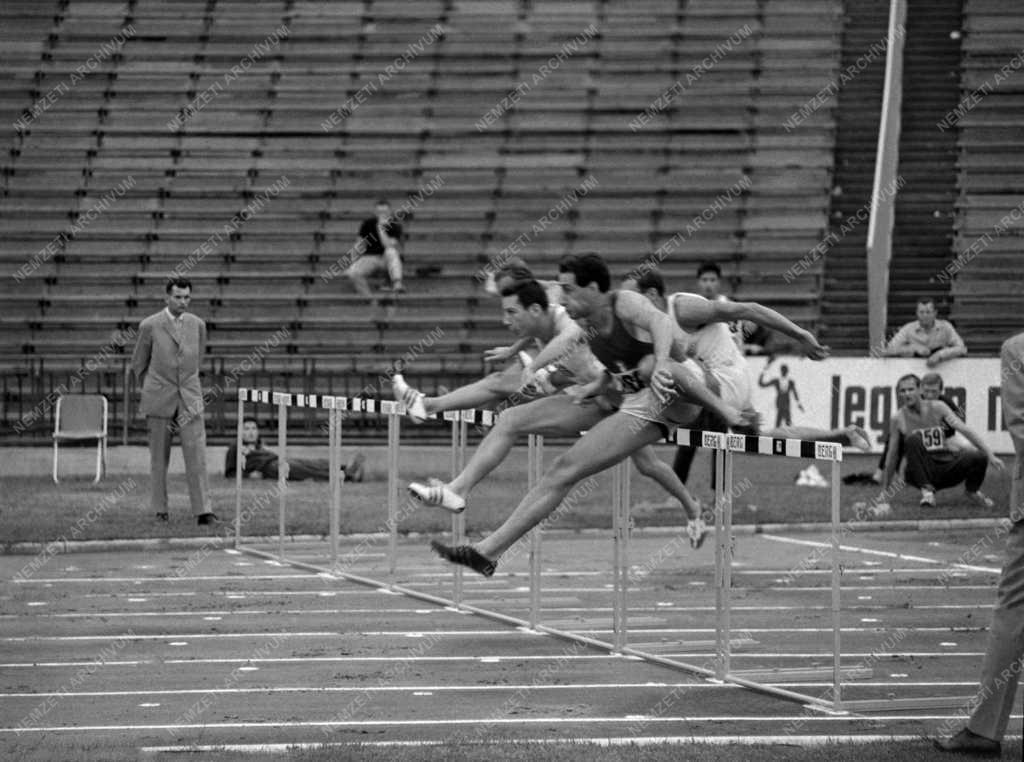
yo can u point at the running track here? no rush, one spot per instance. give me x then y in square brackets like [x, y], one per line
[200, 648]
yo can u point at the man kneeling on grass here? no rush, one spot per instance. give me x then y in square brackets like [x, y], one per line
[258, 461]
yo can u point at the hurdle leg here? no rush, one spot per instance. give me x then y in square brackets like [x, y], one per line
[837, 675]
[394, 431]
[720, 540]
[620, 532]
[282, 469]
[727, 490]
[334, 442]
[534, 469]
[458, 519]
[238, 466]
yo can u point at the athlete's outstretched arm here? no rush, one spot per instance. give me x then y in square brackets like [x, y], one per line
[500, 354]
[562, 344]
[728, 311]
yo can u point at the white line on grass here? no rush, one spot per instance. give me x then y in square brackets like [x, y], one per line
[744, 740]
[392, 723]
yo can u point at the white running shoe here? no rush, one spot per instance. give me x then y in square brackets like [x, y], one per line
[696, 530]
[927, 498]
[437, 494]
[858, 438]
[411, 398]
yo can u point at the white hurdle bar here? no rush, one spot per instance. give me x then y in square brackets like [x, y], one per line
[725, 446]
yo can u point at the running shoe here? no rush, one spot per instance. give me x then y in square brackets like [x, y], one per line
[437, 494]
[697, 531]
[980, 499]
[466, 555]
[927, 498]
[411, 398]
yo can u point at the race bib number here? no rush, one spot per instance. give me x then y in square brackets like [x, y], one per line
[933, 438]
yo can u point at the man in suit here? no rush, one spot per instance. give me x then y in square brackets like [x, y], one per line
[166, 363]
[1000, 672]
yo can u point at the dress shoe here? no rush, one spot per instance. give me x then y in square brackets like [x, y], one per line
[163, 517]
[966, 742]
[207, 518]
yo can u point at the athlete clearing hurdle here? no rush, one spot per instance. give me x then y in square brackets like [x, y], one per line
[532, 332]
[725, 366]
[527, 314]
[622, 329]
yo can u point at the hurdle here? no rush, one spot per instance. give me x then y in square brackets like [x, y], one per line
[724, 448]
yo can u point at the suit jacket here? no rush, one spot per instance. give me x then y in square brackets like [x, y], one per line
[1013, 389]
[168, 369]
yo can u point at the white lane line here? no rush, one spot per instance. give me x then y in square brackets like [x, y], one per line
[207, 635]
[449, 688]
[664, 609]
[584, 627]
[215, 612]
[391, 723]
[937, 588]
[510, 593]
[885, 553]
[494, 583]
[862, 573]
[513, 657]
[379, 689]
[697, 741]
[185, 578]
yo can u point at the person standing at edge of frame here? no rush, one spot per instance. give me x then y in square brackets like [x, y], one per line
[1004, 657]
[166, 363]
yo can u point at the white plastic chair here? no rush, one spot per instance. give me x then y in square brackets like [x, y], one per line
[81, 417]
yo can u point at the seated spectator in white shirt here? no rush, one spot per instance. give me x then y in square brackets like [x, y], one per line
[927, 337]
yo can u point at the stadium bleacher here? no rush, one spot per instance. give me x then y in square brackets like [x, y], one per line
[985, 271]
[191, 169]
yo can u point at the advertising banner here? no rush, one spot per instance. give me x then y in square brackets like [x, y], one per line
[840, 391]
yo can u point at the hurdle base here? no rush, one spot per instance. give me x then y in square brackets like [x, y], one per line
[690, 645]
[901, 704]
[798, 674]
[602, 623]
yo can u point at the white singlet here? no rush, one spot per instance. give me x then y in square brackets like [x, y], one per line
[714, 348]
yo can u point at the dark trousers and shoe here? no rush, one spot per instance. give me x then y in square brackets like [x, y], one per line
[943, 469]
[192, 434]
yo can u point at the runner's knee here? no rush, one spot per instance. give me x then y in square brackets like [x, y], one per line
[565, 470]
